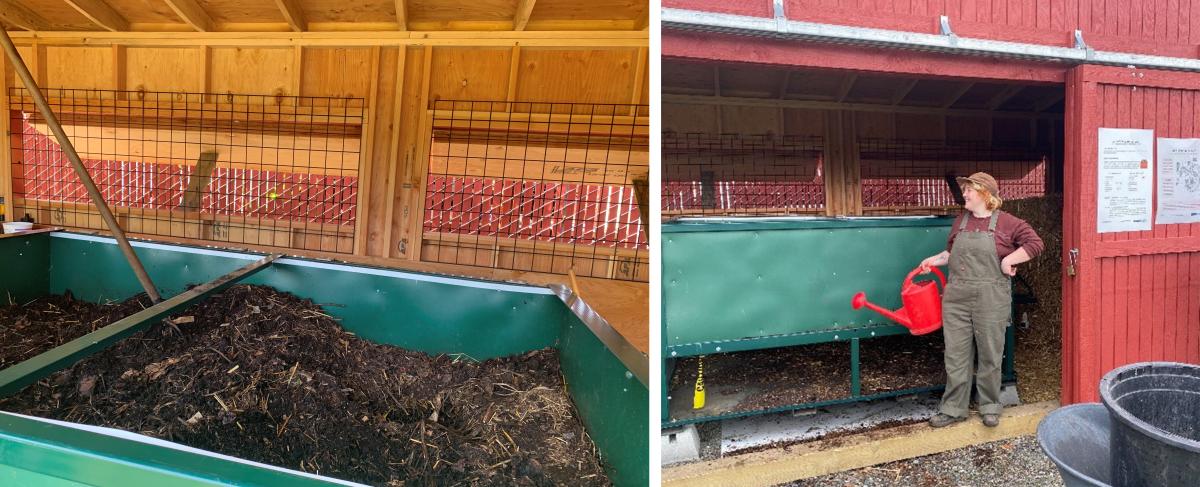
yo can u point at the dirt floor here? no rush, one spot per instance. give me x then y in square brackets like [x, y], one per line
[29, 329]
[266, 376]
[794, 375]
[1008, 463]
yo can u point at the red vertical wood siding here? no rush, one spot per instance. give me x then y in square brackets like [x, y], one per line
[1161, 27]
[1135, 298]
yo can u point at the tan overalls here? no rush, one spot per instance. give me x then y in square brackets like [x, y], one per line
[975, 311]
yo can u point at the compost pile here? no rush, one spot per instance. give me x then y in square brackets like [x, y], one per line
[1039, 346]
[47, 322]
[268, 377]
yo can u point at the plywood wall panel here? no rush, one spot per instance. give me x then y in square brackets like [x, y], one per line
[79, 67]
[336, 72]
[577, 75]
[684, 119]
[265, 71]
[464, 73]
[164, 69]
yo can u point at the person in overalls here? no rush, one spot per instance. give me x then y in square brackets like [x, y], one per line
[983, 250]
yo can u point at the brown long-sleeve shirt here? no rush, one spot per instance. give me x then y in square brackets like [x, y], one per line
[1012, 233]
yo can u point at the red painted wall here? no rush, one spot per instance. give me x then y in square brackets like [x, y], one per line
[1162, 27]
[1137, 294]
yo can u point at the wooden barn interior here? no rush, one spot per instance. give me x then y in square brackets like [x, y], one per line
[502, 140]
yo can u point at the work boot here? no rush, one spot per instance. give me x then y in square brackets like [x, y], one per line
[942, 420]
[991, 420]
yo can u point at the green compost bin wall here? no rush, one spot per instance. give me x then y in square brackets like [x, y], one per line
[613, 403]
[24, 261]
[752, 279]
[397, 308]
[404, 309]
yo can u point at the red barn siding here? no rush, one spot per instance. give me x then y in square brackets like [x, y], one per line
[1162, 27]
[1137, 295]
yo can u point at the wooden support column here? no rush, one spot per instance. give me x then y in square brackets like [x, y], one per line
[834, 158]
[418, 167]
[851, 168]
[6, 145]
[366, 158]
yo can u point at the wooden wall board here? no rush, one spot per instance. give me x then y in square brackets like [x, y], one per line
[686, 118]
[79, 67]
[968, 128]
[751, 120]
[463, 73]
[338, 72]
[252, 70]
[553, 75]
[876, 125]
[165, 69]
[920, 127]
[407, 194]
[801, 121]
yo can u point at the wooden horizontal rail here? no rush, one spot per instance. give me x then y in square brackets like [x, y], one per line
[1157, 246]
[480, 242]
[164, 107]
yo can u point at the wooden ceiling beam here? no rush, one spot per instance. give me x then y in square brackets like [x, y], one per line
[101, 14]
[847, 86]
[1003, 96]
[957, 94]
[292, 14]
[16, 14]
[524, 10]
[402, 14]
[905, 89]
[192, 14]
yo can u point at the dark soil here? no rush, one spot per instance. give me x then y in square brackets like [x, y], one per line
[821, 372]
[268, 377]
[44, 323]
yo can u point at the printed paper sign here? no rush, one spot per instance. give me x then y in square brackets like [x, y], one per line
[1126, 187]
[1178, 181]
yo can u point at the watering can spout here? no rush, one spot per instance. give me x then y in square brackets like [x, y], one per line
[899, 316]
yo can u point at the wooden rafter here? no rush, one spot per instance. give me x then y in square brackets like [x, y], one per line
[1045, 104]
[904, 90]
[192, 14]
[16, 14]
[524, 10]
[957, 95]
[101, 14]
[847, 85]
[1003, 96]
[293, 14]
[402, 14]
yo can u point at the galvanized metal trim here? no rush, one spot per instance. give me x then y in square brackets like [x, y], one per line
[13, 378]
[699, 21]
[736, 224]
[513, 288]
[633, 359]
[126, 435]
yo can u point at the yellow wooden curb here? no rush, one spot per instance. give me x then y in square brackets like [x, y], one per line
[823, 457]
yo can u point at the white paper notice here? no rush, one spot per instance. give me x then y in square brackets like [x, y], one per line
[1126, 186]
[1178, 181]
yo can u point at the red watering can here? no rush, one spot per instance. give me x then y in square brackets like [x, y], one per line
[922, 310]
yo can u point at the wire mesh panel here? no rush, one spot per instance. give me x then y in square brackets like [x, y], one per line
[278, 171]
[900, 175]
[731, 174]
[544, 187]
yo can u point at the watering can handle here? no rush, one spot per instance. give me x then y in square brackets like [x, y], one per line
[911, 275]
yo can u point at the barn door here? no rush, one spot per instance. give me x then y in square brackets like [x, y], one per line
[1135, 293]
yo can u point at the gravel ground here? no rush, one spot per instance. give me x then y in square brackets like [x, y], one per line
[1008, 463]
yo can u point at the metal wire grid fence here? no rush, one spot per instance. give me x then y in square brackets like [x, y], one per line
[278, 171]
[730, 174]
[915, 174]
[545, 187]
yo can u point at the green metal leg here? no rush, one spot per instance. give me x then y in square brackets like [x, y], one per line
[855, 373]
[668, 369]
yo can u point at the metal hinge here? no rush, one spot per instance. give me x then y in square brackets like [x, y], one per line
[1072, 259]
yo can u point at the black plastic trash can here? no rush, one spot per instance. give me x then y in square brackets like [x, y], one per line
[1155, 412]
